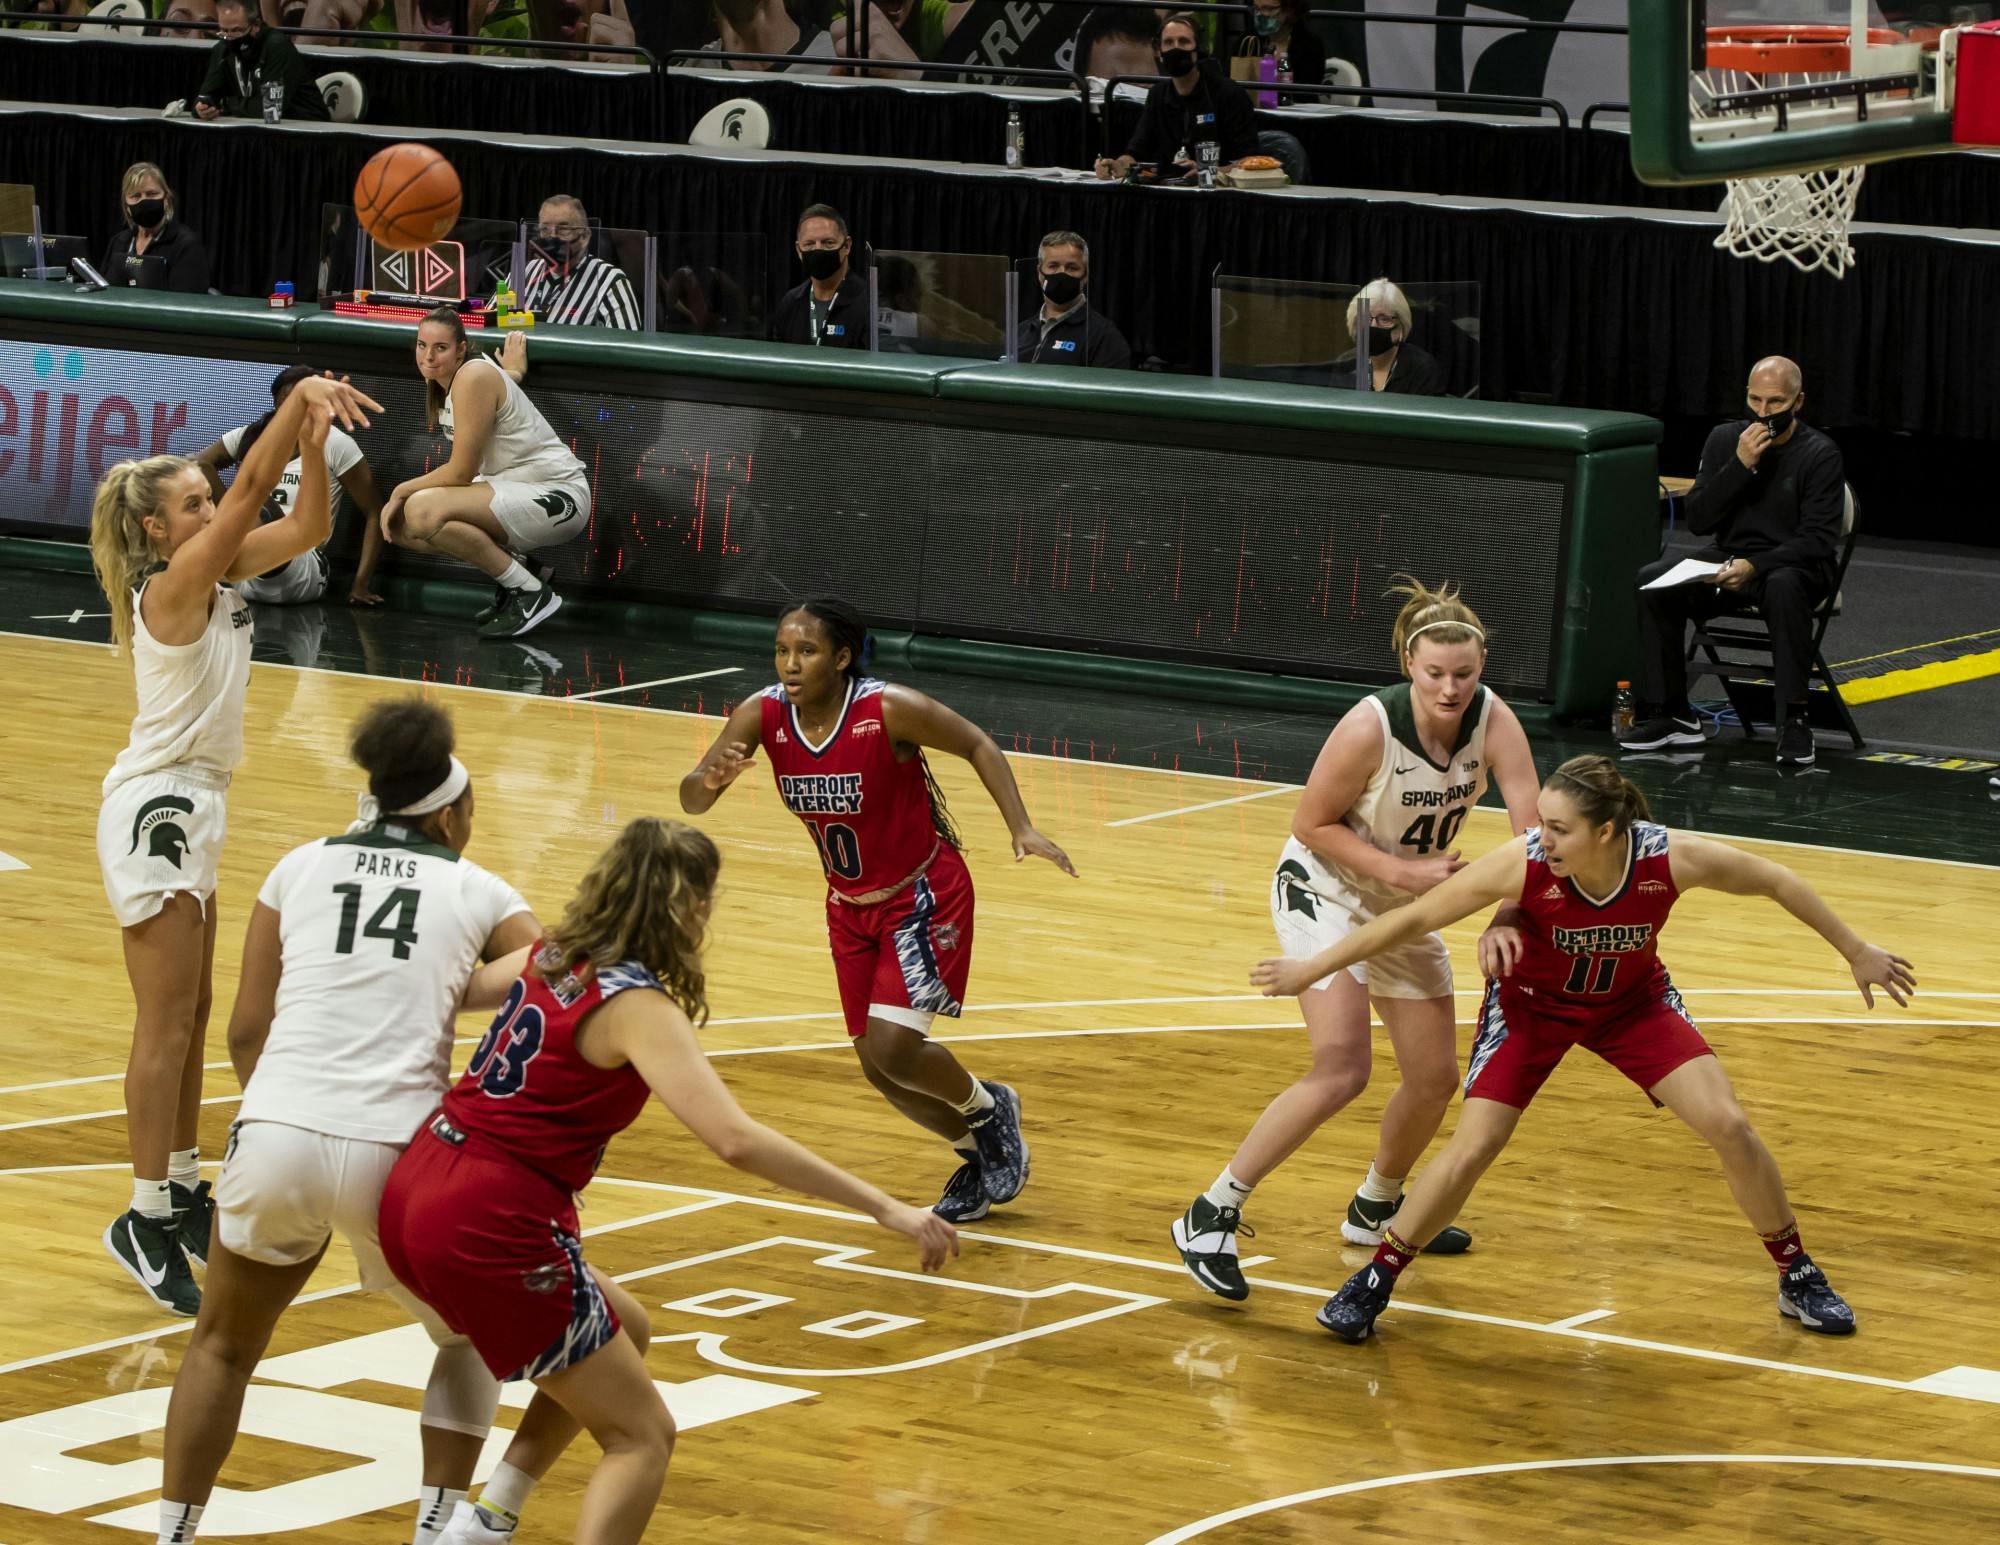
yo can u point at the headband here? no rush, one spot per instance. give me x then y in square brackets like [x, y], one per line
[368, 809]
[1445, 622]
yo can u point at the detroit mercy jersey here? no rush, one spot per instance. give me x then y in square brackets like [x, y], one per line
[867, 813]
[380, 931]
[1411, 806]
[528, 1094]
[522, 447]
[1584, 958]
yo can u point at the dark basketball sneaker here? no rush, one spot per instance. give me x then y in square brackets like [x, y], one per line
[1205, 1235]
[150, 1249]
[1804, 1295]
[965, 1199]
[1350, 1313]
[523, 612]
[1667, 730]
[545, 572]
[1795, 742]
[1003, 1151]
[194, 1216]
[1365, 1221]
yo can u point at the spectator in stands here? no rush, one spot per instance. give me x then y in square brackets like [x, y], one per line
[830, 310]
[61, 14]
[566, 284]
[915, 30]
[500, 20]
[1069, 330]
[187, 18]
[768, 27]
[1396, 364]
[1770, 494]
[154, 251]
[1282, 30]
[1197, 103]
[246, 58]
[1114, 42]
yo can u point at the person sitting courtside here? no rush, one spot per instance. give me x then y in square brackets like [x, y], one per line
[1068, 330]
[246, 56]
[830, 310]
[1196, 104]
[154, 251]
[1770, 494]
[566, 284]
[1394, 363]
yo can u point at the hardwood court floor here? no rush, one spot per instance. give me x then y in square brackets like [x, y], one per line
[1607, 1364]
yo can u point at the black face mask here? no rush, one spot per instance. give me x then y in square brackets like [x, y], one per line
[245, 46]
[1061, 289]
[1177, 61]
[147, 212]
[821, 263]
[1380, 340]
[1777, 422]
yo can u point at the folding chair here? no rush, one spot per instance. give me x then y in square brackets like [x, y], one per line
[1745, 670]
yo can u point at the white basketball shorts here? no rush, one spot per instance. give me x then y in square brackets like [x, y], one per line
[540, 514]
[301, 580]
[159, 834]
[1308, 922]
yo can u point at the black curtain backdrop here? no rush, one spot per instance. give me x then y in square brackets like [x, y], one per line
[1606, 311]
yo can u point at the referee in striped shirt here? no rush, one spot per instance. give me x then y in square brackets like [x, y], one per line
[566, 285]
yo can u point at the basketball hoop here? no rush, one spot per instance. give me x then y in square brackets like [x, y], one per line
[1801, 217]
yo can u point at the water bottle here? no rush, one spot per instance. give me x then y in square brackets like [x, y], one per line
[274, 101]
[1015, 138]
[1624, 709]
[1208, 156]
[1267, 71]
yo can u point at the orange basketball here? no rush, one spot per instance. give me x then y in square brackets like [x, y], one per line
[407, 196]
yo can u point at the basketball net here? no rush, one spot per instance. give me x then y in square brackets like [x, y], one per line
[1801, 218]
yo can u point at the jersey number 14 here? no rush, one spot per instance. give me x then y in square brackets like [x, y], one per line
[395, 921]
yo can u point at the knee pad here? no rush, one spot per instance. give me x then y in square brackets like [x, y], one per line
[462, 1395]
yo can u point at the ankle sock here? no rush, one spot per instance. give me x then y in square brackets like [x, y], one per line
[184, 1167]
[1228, 1191]
[1784, 1246]
[1394, 1253]
[505, 1494]
[1377, 1189]
[976, 1103]
[514, 577]
[178, 1521]
[151, 1199]
[435, 1505]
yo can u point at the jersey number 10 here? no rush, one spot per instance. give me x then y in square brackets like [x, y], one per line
[839, 848]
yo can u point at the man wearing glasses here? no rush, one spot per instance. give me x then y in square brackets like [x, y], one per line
[1068, 330]
[248, 62]
[566, 284]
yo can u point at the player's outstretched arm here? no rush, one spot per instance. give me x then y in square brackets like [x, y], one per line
[923, 721]
[648, 1031]
[256, 992]
[309, 522]
[1700, 862]
[1513, 767]
[725, 761]
[1496, 877]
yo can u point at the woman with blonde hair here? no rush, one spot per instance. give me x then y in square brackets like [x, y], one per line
[161, 550]
[154, 251]
[1379, 319]
[479, 1215]
[1592, 885]
[1376, 827]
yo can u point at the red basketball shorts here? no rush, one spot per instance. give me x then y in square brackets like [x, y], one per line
[1518, 1043]
[909, 957]
[491, 1245]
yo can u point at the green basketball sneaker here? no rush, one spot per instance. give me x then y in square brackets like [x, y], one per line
[1205, 1235]
[194, 1216]
[1365, 1221]
[150, 1249]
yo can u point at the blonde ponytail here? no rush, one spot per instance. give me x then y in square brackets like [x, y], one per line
[1601, 792]
[1440, 615]
[120, 550]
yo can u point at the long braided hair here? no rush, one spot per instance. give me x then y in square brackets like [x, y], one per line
[844, 629]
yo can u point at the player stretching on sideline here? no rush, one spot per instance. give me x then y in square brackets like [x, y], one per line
[848, 754]
[1596, 882]
[1377, 825]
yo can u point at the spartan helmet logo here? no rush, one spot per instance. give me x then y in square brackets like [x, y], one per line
[732, 123]
[558, 505]
[164, 835]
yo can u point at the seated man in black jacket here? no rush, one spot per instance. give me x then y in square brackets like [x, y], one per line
[1197, 103]
[830, 310]
[1770, 493]
[247, 56]
[1069, 330]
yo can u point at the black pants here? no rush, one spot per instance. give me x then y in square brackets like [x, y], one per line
[1786, 597]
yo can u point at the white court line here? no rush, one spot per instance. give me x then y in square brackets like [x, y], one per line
[663, 681]
[1213, 804]
[304, 1298]
[1522, 1466]
[1588, 1317]
[100, 1115]
[1034, 756]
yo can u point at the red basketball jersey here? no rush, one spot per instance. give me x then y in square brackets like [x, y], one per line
[1582, 957]
[530, 1094]
[868, 813]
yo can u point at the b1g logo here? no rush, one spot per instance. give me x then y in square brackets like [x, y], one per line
[157, 822]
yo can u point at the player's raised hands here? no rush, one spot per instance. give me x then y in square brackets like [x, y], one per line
[313, 428]
[937, 1240]
[729, 763]
[346, 401]
[1032, 843]
[1875, 967]
[1283, 978]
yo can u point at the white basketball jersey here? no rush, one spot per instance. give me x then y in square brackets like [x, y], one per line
[1411, 807]
[381, 931]
[342, 457]
[522, 447]
[190, 695]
